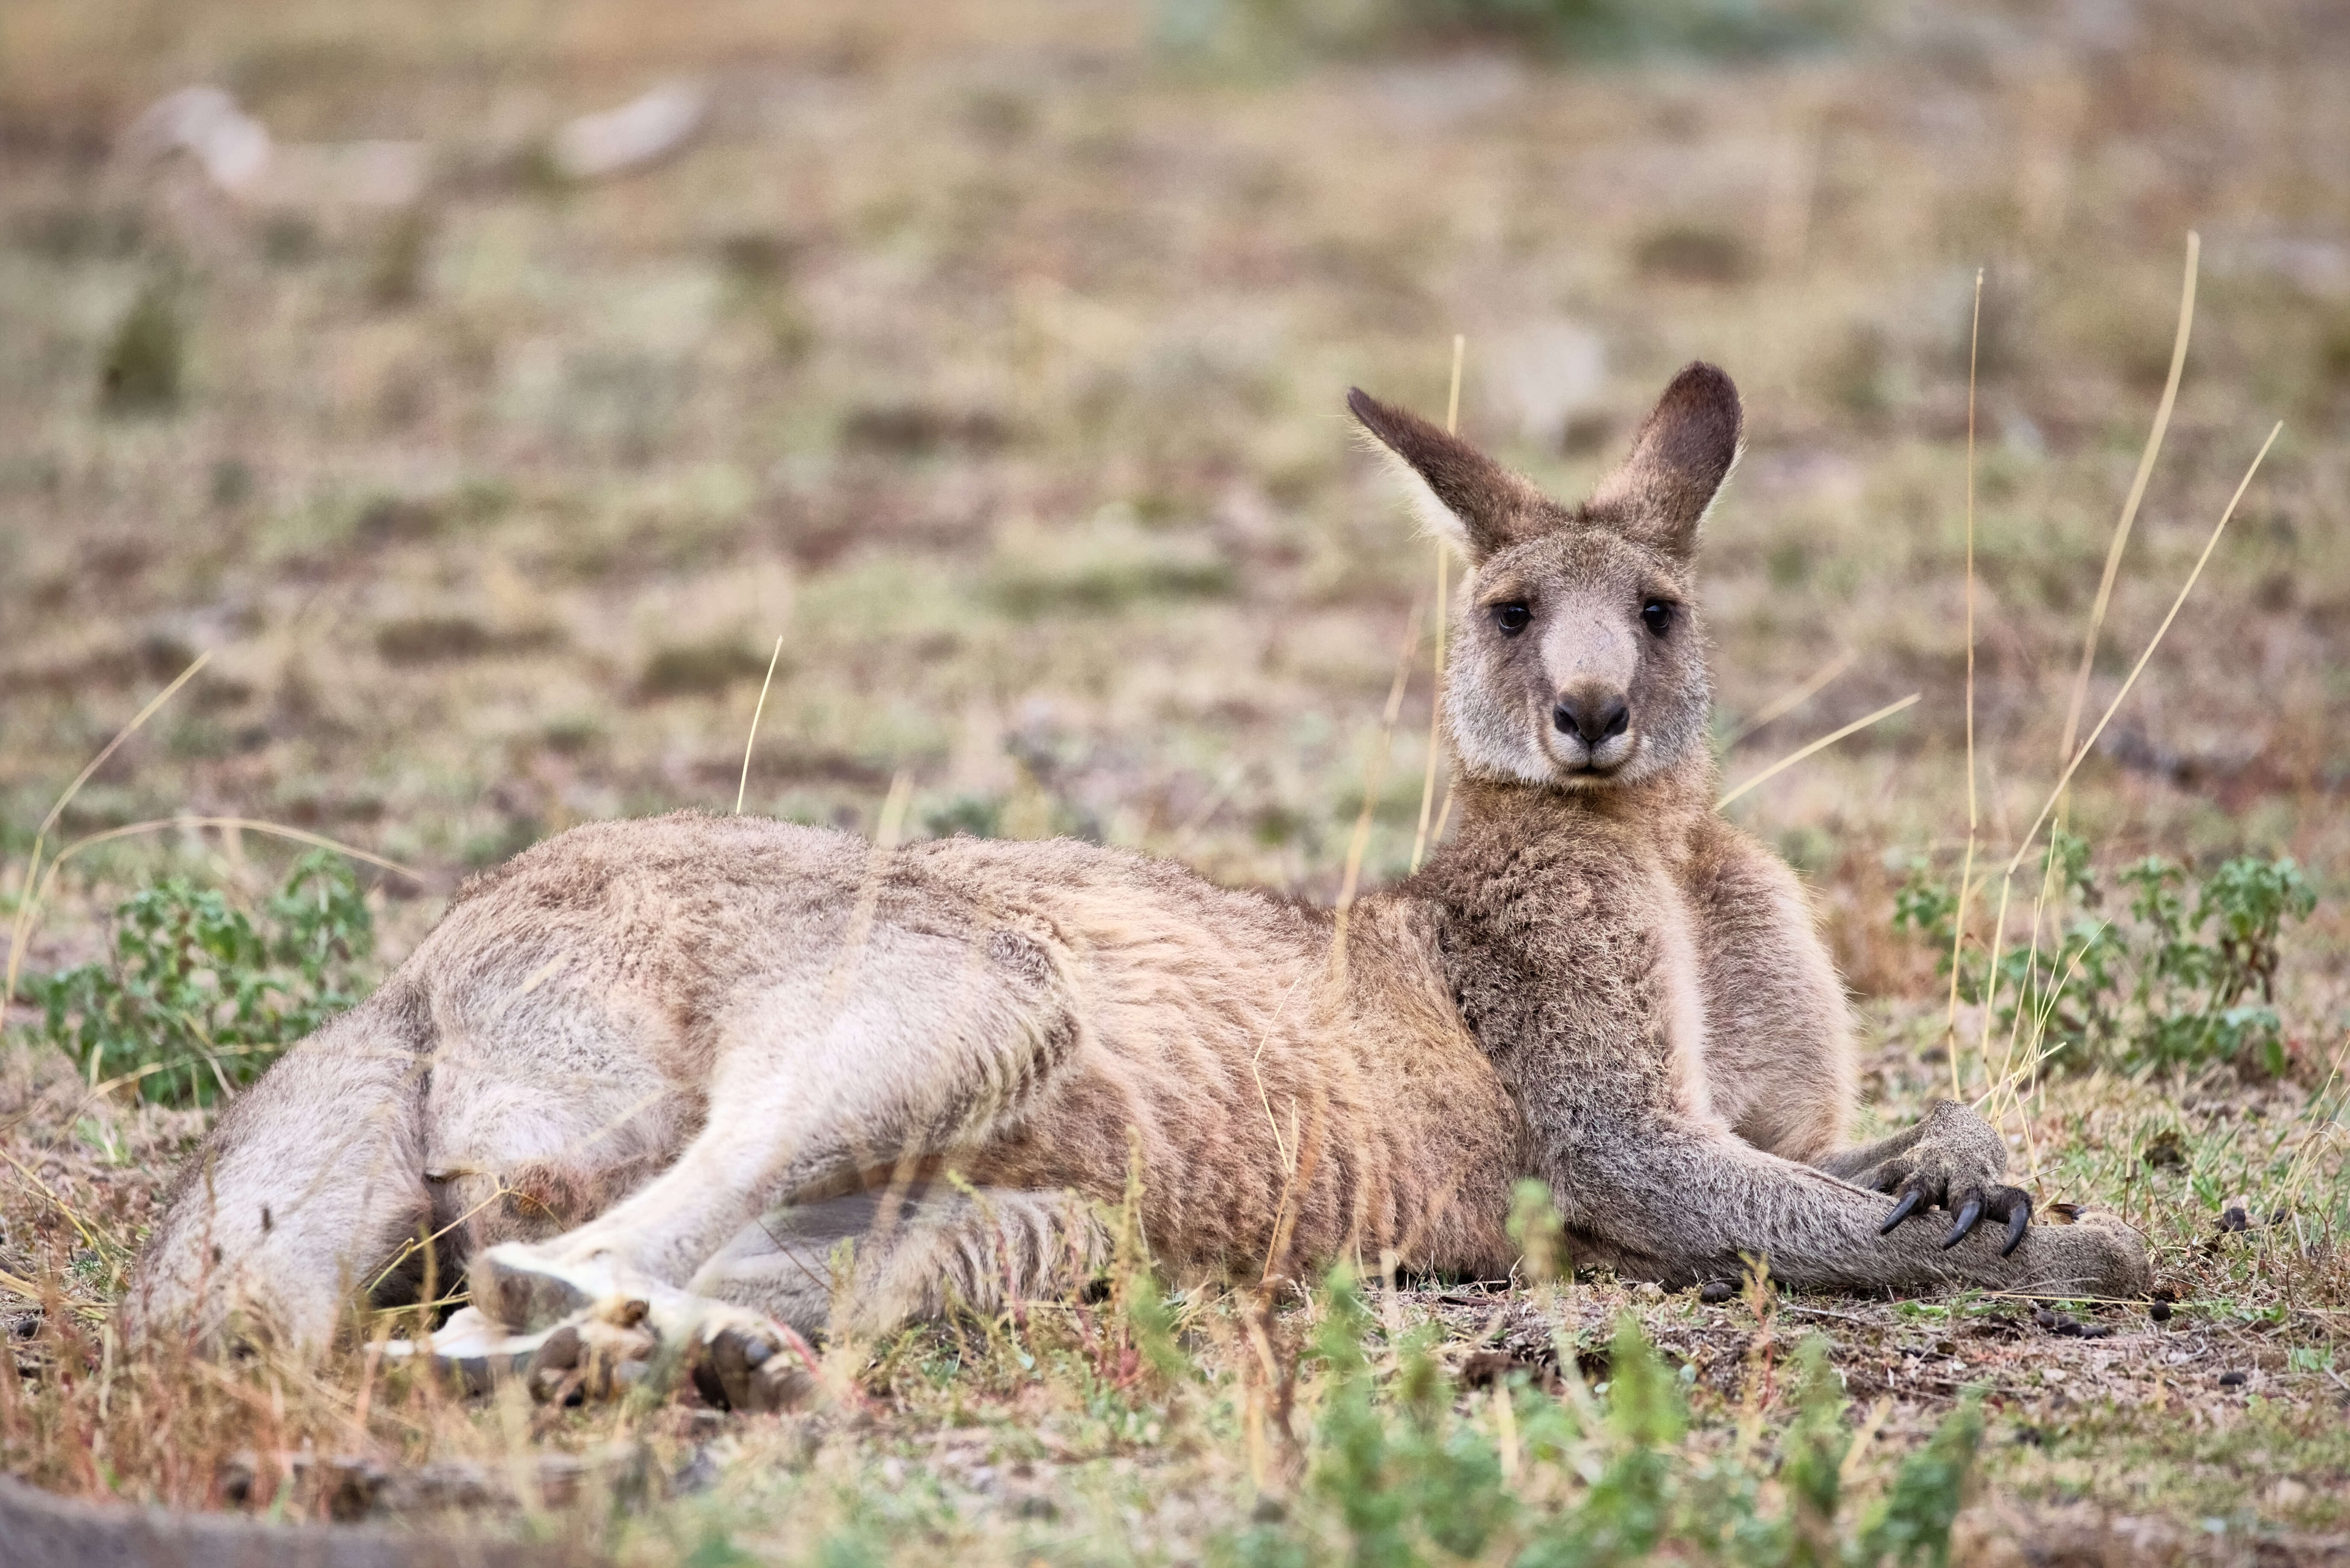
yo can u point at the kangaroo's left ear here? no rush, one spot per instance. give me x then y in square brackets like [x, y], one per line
[1461, 495]
[1684, 450]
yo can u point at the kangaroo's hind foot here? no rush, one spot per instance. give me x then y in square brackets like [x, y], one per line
[591, 1329]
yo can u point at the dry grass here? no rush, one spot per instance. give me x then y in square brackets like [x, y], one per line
[996, 361]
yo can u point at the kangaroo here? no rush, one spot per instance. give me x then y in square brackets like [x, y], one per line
[678, 1061]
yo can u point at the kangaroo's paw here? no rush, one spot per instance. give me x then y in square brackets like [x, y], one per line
[743, 1361]
[1956, 1165]
[599, 1324]
[590, 1357]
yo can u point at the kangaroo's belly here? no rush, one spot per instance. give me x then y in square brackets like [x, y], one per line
[1273, 1110]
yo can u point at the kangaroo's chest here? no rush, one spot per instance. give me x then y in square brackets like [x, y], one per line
[1585, 986]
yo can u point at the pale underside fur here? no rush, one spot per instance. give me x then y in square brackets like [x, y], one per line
[710, 1050]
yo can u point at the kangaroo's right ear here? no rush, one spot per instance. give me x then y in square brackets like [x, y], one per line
[1680, 458]
[1459, 494]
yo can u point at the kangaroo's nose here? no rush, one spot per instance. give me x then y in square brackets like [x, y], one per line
[1594, 716]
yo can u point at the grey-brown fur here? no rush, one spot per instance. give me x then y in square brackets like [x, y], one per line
[704, 1051]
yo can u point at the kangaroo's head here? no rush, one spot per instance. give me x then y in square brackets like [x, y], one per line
[1576, 661]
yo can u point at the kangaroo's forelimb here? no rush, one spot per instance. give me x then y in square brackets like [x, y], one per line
[1695, 1205]
[1606, 1063]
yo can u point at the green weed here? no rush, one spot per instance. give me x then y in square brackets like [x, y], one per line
[197, 998]
[2142, 966]
[1403, 1471]
[146, 358]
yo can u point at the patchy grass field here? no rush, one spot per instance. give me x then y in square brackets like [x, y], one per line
[993, 357]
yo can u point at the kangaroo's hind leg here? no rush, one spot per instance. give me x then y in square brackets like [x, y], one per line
[305, 1190]
[931, 1041]
[869, 1261]
[546, 1104]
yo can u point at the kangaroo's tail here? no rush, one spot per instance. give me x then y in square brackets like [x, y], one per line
[306, 1186]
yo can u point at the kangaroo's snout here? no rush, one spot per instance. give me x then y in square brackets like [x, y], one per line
[1591, 725]
[1592, 716]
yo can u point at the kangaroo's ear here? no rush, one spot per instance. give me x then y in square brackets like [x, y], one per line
[1686, 448]
[1460, 494]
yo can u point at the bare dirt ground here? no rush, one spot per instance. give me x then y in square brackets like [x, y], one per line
[993, 357]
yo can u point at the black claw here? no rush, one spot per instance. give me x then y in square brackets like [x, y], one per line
[1903, 1210]
[2019, 1219]
[1968, 1214]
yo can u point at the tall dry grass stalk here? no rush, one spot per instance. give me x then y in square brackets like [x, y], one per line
[39, 880]
[1375, 773]
[2013, 1074]
[1420, 837]
[1974, 815]
[2176, 603]
[752, 740]
[1822, 744]
[2136, 494]
[1794, 697]
[20, 929]
[2007, 1074]
[37, 896]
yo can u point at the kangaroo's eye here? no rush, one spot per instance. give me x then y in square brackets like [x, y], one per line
[1658, 615]
[1511, 619]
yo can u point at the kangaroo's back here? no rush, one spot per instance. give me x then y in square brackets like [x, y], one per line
[586, 1013]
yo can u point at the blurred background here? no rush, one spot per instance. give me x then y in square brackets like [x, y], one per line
[487, 386]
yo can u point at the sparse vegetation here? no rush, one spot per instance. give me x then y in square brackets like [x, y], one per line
[993, 356]
[1409, 1473]
[147, 357]
[2122, 967]
[197, 997]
